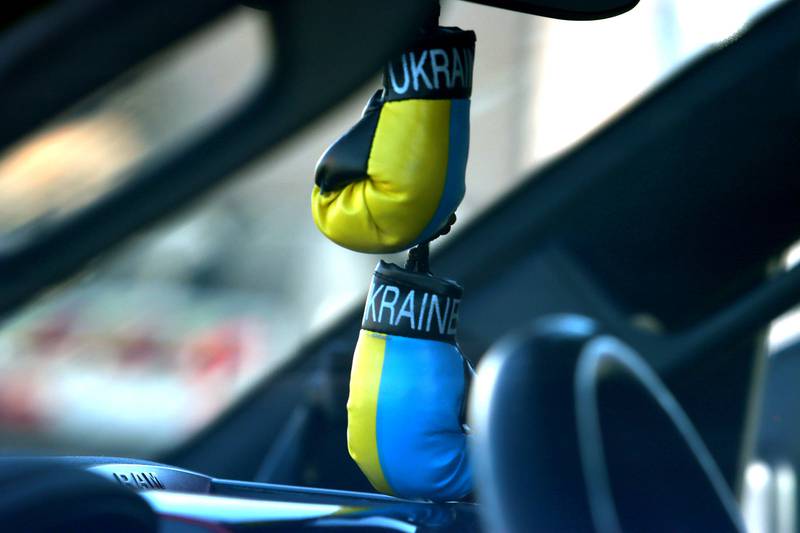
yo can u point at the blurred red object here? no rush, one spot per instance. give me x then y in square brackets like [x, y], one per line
[20, 408]
[50, 336]
[215, 351]
[140, 346]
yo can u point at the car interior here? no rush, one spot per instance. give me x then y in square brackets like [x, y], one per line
[618, 298]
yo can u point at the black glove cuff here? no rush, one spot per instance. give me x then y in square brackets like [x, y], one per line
[411, 304]
[437, 66]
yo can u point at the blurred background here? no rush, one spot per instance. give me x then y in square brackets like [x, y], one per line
[156, 340]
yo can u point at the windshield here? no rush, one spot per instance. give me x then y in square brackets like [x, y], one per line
[149, 345]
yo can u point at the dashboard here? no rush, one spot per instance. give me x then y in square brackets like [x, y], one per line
[186, 501]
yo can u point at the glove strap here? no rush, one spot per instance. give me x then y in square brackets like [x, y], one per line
[437, 67]
[412, 304]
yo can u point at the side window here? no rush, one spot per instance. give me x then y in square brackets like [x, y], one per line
[125, 358]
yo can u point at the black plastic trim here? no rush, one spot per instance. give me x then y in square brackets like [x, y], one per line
[532, 8]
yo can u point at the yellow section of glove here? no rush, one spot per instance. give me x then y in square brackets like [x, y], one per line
[406, 175]
[362, 407]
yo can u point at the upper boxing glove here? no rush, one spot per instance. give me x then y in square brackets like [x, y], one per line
[395, 178]
[407, 388]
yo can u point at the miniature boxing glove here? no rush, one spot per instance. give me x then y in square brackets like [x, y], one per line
[407, 388]
[394, 179]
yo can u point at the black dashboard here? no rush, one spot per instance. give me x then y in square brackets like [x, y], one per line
[182, 500]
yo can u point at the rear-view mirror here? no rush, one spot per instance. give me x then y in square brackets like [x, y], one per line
[565, 9]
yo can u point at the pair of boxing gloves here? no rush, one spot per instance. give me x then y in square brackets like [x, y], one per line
[391, 182]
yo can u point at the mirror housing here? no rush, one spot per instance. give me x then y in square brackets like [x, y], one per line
[565, 9]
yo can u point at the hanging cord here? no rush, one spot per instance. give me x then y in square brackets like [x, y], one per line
[433, 20]
[419, 256]
[418, 259]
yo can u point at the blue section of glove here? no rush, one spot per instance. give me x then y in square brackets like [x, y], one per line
[421, 444]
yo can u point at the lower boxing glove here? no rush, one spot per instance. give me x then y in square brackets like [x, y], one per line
[395, 178]
[407, 388]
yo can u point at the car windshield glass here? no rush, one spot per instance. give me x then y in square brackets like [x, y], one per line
[149, 345]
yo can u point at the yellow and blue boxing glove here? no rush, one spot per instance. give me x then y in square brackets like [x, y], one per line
[395, 178]
[407, 388]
